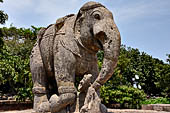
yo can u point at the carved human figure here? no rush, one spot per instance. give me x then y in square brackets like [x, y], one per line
[68, 49]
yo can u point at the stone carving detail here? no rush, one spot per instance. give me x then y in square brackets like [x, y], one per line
[93, 103]
[68, 49]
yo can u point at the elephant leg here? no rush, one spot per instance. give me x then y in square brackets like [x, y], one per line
[41, 103]
[64, 66]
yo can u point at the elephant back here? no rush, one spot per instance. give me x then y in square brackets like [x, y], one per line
[46, 43]
[60, 22]
[52, 29]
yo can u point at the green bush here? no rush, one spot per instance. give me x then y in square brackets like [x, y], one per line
[15, 48]
[126, 96]
[15, 77]
[159, 100]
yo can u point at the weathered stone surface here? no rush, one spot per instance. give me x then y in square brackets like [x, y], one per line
[67, 49]
[44, 107]
[93, 103]
[85, 83]
[60, 102]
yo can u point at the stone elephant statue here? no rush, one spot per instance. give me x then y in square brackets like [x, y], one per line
[68, 49]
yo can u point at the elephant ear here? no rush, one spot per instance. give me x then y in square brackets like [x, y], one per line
[77, 24]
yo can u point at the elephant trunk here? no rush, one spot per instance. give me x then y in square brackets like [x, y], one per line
[111, 48]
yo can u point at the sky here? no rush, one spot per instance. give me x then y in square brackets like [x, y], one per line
[143, 24]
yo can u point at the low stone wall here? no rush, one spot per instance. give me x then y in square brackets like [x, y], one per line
[6, 105]
[157, 107]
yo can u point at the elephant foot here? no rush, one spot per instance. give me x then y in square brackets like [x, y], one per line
[41, 103]
[60, 104]
[44, 107]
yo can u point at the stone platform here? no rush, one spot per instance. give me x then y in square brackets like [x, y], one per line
[109, 111]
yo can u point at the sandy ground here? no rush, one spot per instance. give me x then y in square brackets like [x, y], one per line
[17, 111]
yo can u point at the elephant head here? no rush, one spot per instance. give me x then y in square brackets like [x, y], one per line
[95, 29]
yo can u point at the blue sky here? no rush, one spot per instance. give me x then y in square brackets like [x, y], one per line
[143, 24]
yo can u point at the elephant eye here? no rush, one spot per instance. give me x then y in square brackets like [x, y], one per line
[97, 16]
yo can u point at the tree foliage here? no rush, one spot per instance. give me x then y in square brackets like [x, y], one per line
[154, 75]
[126, 96]
[168, 59]
[15, 73]
[3, 16]
[159, 100]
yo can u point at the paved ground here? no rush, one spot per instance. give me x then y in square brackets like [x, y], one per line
[110, 111]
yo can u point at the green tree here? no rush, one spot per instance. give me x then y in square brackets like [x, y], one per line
[15, 73]
[143, 65]
[168, 59]
[153, 73]
[165, 79]
[1, 40]
[3, 16]
[20, 40]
